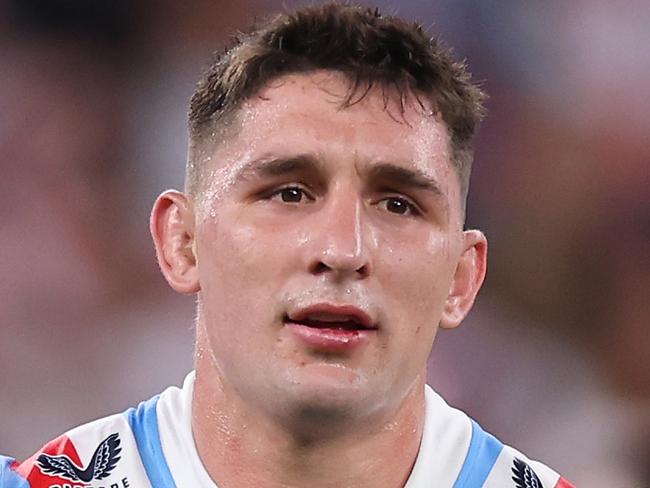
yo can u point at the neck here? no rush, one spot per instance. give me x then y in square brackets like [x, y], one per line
[242, 447]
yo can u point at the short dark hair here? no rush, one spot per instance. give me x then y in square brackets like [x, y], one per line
[359, 42]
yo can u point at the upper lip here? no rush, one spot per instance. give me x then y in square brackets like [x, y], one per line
[333, 313]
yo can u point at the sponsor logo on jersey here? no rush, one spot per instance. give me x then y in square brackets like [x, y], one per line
[524, 476]
[102, 463]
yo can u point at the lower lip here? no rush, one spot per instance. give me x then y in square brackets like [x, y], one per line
[334, 340]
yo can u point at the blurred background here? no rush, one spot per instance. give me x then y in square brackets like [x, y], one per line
[555, 357]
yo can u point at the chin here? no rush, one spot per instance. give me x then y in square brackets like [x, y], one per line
[326, 395]
[328, 378]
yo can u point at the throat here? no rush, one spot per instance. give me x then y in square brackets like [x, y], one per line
[263, 455]
[242, 445]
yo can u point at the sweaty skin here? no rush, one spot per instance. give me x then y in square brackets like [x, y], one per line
[311, 203]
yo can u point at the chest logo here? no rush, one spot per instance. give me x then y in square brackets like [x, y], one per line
[102, 463]
[524, 476]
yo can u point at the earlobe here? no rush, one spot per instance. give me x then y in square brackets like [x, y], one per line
[467, 281]
[172, 229]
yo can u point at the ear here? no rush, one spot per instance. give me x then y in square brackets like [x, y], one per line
[468, 278]
[172, 229]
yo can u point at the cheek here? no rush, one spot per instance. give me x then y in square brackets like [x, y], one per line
[417, 275]
[234, 248]
[243, 261]
[230, 260]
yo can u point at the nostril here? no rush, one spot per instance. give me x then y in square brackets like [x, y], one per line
[319, 268]
[363, 271]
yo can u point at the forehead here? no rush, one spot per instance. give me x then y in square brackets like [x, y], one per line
[314, 103]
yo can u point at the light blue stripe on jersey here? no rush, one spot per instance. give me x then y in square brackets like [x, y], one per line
[484, 449]
[8, 477]
[144, 424]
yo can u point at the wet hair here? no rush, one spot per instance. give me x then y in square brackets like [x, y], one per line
[370, 49]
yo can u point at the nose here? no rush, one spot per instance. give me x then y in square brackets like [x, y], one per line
[338, 244]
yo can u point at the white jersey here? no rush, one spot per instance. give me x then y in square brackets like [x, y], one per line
[152, 446]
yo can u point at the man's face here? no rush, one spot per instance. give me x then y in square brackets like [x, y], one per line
[326, 243]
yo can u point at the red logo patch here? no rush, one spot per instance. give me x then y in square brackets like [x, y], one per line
[562, 483]
[30, 470]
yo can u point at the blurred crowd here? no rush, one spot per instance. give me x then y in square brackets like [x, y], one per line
[555, 358]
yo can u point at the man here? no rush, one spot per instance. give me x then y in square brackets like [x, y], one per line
[322, 231]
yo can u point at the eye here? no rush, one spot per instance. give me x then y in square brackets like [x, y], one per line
[289, 194]
[399, 206]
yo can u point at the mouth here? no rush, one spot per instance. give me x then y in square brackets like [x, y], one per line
[327, 316]
[331, 328]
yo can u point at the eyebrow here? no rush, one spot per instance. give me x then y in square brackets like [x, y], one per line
[388, 172]
[268, 167]
[412, 178]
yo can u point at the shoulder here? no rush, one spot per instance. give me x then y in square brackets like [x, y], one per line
[108, 451]
[466, 456]
[499, 466]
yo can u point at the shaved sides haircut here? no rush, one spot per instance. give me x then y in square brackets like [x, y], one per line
[370, 49]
